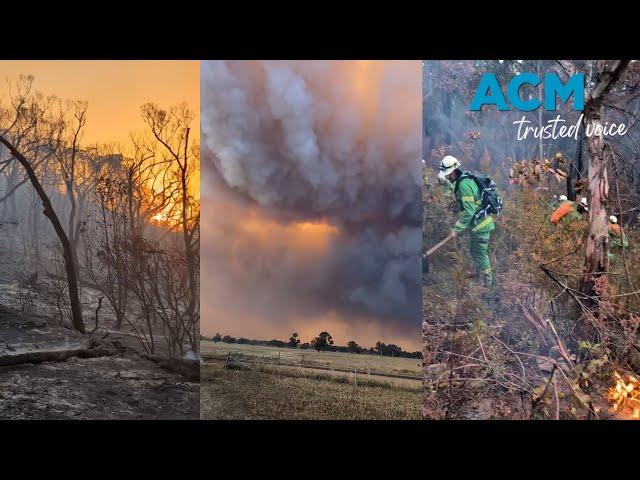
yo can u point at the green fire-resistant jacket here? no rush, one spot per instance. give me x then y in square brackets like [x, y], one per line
[617, 238]
[468, 198]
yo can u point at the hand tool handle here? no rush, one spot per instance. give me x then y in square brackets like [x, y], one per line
[438, 245]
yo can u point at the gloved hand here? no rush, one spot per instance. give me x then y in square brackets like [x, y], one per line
[454, 234]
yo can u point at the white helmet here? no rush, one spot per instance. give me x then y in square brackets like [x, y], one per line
[583, 201]
[448, 165]
[563, 198]
[613, 219]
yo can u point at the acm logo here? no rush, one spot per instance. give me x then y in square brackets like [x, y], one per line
[489, 92]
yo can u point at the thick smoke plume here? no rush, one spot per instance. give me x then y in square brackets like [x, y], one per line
[311, 191]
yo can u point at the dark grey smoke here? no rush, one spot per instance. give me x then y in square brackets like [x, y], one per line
[334, 142]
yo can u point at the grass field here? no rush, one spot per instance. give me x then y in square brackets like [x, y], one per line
[284, 383]
[312, 358]
[232, 394]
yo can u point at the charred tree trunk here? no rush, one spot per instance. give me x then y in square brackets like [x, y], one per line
[35, 234]
[132, 220]
[73, 228]
[596, 258]
[188, 243]
[69, 258]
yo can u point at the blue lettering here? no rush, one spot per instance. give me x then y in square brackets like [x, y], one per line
[554, 88]
[489, 93]
[513, 92]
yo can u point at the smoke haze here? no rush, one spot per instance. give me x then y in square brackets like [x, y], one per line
[311, 181]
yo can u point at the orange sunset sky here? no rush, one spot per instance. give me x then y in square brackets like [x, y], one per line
[115, 90]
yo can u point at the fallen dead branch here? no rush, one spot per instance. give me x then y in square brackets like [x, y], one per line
[532, 320]
[86, 350]
[543, 326]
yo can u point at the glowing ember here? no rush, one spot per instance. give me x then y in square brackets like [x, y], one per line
[625, 394]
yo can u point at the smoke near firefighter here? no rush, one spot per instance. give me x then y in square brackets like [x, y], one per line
[312, 181]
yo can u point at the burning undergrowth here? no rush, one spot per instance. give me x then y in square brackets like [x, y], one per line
[533, 347]
[625, 394]
[564, 314]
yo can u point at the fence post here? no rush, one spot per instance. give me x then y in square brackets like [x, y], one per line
[278, 358]
[355, 376]
[226, 363]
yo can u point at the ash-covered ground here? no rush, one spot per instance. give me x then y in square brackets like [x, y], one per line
[106, 377]
[120, 384]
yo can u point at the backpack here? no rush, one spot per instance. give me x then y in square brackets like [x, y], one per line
[490, 201]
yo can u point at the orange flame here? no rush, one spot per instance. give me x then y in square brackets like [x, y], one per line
[625, 395]
[311, 236]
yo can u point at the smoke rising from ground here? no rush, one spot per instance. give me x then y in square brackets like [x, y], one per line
[311, 181]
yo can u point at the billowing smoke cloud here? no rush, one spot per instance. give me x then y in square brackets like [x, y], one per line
[311, 198]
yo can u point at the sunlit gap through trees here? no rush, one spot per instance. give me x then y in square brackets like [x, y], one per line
[121, 239]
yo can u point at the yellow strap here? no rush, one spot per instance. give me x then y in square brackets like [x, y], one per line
[459, 224]
[483, 223]
[486, 270]
[468, 198]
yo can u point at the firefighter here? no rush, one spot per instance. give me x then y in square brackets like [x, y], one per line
[617, 239]
[447, 186]
[468, 200]
[568, 210]
[556, 201]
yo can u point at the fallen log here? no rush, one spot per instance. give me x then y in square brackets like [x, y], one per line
[86, 350]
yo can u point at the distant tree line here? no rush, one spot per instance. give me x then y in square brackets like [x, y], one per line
[322, 343]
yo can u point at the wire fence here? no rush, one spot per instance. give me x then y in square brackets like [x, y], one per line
[256, 362]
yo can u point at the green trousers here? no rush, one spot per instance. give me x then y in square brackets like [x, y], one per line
[615, 254]
[479, 249]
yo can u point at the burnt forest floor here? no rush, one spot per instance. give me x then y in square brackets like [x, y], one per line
[479, 359]
[112, 381]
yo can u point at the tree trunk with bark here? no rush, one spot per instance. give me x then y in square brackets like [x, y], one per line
[596, 258]
[69, 257]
